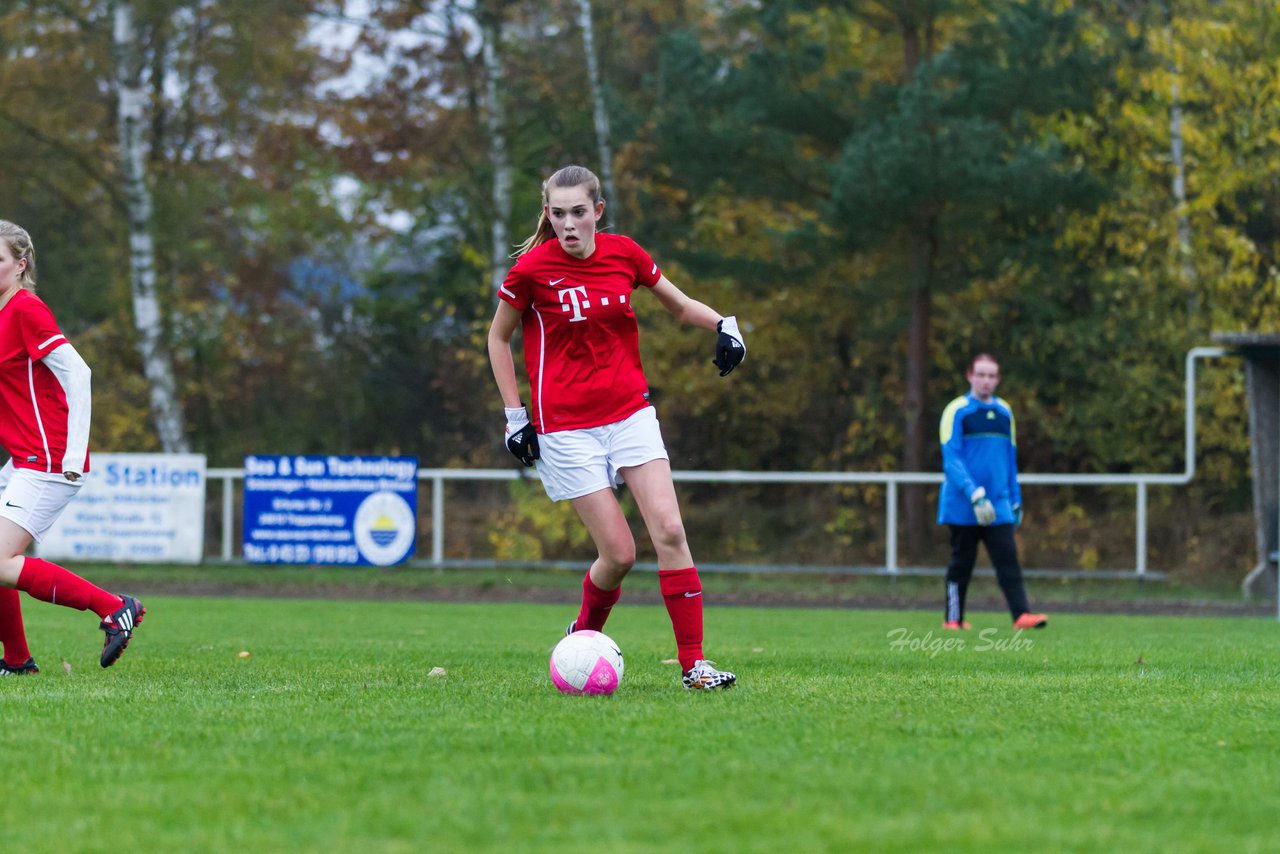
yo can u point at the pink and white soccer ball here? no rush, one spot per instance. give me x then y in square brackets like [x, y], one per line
[586, 662]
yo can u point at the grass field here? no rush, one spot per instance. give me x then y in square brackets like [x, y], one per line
[851, 730]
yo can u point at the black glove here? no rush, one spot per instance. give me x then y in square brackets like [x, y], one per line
[730, 349]
[522, 439]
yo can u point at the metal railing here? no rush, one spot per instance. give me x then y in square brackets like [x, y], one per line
[890, 480]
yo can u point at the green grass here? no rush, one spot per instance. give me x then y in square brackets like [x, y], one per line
[1099, 733]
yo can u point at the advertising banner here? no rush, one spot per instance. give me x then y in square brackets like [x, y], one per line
[137, 508]
[329, 509]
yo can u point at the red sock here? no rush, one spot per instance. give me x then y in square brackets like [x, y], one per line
[12, 634]
[49, 582]
[596, 605]
[682, 592]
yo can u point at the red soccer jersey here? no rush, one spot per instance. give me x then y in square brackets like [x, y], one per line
[581, 341]
[33, 406]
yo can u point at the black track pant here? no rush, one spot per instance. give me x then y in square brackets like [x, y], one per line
[1004, 556]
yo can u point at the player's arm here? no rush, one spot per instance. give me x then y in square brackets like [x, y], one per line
[74, 376]
[1015, 488]
[956, 471]
[683, 307]
[501, 330]
[730, 347]
[952, 438]
[520, 438]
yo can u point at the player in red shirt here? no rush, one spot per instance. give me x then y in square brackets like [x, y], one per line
[592, 427]
[44, 426]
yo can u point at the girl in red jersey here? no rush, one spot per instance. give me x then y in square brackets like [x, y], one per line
[44, 426]
[592, 427]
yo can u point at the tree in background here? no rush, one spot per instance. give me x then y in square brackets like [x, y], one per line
[876, 188]
[931, 166]
[166, 409]
[241, 183]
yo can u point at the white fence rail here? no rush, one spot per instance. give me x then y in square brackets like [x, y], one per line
[890, 480]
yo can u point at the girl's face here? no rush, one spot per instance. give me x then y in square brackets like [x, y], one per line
[10, 268]
[574, 217]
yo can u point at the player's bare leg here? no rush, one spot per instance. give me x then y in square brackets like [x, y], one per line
[655, 493]
[609, 531]
[616, 554]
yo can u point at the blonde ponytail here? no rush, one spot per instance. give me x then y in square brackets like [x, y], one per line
[541, 234]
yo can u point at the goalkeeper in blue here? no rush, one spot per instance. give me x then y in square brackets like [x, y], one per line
[981, 501]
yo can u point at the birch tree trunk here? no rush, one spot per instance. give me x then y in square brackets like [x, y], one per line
[1188, 269]
[156, 363]
[600, 113]
[491, 29]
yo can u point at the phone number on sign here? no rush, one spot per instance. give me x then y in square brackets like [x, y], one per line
[300, 553]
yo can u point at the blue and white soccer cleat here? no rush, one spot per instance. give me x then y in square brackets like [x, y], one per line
[703, 676]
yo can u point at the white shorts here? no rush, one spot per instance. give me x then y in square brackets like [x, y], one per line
[33, 500]
[575, 463]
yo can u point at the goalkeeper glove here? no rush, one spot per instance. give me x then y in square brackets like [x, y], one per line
[982, 506]
[730, 350]
[522, 440]
[1017, 515]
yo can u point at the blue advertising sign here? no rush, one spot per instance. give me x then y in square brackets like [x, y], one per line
[336, 510]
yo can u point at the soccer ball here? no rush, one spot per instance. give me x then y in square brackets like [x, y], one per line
[586, 662]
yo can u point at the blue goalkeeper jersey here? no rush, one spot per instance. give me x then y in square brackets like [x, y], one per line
[979, 448]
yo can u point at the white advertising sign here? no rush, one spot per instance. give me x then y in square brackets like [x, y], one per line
[135, 508]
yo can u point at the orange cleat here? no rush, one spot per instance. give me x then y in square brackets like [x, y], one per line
[1031, 621]
[956, 624]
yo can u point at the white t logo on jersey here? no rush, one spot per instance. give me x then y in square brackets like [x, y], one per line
[576, 302]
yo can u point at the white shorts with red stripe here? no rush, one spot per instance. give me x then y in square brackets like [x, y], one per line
[575, 463]
[33, 500]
